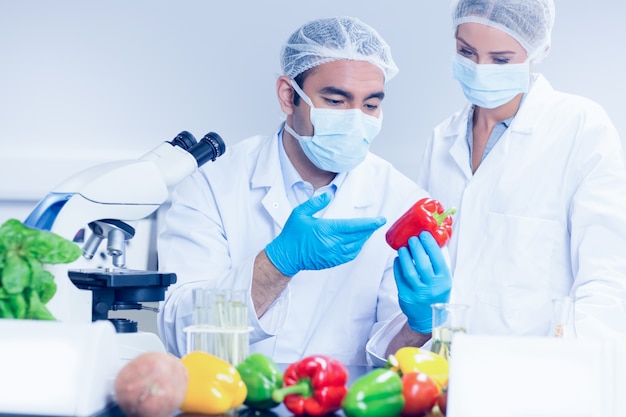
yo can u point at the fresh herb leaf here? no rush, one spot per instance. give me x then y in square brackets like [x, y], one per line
[5, 309]
[18, 305]
[37, 310]
[11, 234]
[50, 248]
[25, 285]
[48, 287]
[15, 274]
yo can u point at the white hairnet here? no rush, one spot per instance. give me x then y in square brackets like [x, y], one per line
[334, 38]
[529, 22]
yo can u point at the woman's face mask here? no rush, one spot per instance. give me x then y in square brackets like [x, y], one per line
[491, 85]
[341, 138]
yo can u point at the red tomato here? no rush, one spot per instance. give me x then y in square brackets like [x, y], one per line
[420, 394]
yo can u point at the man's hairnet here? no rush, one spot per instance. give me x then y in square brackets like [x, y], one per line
[529, 22]
[334, 38]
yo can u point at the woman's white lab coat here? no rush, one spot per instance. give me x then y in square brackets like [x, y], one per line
[543, 216]
[224, 215]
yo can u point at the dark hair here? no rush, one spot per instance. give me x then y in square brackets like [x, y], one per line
[300, 78]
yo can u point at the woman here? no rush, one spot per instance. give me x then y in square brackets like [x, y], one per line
[538, 178]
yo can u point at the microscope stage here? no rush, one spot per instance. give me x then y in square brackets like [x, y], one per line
[120, 278]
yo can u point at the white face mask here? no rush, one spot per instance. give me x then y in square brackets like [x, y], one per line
[341, 138]
[490, 85]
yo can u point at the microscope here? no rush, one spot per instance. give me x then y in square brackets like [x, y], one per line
[110, 199]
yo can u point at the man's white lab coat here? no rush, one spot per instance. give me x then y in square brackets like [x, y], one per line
[225, 214]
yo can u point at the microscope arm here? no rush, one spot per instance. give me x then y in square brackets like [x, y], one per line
[123, 190]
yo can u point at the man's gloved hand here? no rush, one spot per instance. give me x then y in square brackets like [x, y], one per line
[310, 243]
[423, 278]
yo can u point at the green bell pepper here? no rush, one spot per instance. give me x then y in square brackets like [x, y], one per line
[262, 376]
[375, 394]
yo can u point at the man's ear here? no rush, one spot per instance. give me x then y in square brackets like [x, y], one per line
[285, 93]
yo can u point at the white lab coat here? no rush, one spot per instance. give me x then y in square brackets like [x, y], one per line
[224, 215]
[544, 215]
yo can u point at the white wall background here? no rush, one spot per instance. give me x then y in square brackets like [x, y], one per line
[83, 82]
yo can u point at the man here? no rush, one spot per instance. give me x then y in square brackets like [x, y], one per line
[296, 219]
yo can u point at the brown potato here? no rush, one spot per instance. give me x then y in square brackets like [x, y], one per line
[153, 384]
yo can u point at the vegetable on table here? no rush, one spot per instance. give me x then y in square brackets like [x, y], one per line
[426, 214]
[420, 393]
[413, 359]
[153, 384]
[375, 394]
[25, 285]
[262, 377]
[443, 401]
[314, 386]
[214, 386]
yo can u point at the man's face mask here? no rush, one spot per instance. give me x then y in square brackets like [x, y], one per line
[490, 85]
[341, 138]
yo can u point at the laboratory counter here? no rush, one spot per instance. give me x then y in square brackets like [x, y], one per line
[279, 411]
[532, 375]
[354, 372]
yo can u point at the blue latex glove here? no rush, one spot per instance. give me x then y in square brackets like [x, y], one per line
[310, 243]
[423, 278]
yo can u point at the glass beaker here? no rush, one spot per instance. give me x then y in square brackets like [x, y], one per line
[220, 324]
[563, 318]
[448, 319]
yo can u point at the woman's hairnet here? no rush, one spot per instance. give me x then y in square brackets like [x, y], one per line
[334, 38]
[529, 22]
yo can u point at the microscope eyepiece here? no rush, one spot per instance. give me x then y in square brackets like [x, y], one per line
[210, 147]
[184, 140]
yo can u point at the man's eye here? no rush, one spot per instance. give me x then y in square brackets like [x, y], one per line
[333, 102]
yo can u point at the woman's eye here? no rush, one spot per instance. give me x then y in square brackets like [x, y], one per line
[466, 52]
[500, 61]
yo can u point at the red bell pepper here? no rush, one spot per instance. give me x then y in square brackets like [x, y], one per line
[314, 386]
[425, 215]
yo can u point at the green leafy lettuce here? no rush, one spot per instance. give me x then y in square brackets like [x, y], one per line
[25, 285]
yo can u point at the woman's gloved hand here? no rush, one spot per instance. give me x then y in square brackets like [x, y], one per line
[423, 278]
[310, 243]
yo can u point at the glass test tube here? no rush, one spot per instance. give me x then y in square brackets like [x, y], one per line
[220, 324]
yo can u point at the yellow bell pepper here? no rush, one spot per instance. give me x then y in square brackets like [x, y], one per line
[412, 359]
[214, 386]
